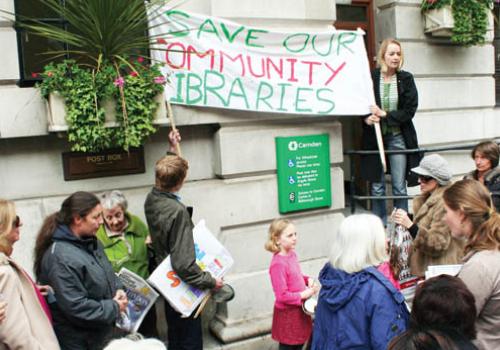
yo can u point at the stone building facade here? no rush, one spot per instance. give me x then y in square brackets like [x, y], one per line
[232, 176]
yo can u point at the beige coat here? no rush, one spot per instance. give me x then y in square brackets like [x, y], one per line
[434, 244]
[26, 326]
[481, 274]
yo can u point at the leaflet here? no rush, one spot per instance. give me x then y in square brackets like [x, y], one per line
[211, 256]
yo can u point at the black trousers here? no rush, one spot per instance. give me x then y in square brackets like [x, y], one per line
[290, 347]
[183, 333]
[148, 325]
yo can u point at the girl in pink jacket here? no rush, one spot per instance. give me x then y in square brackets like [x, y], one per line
[291, 326]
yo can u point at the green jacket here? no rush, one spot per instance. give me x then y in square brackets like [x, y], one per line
[131, 253]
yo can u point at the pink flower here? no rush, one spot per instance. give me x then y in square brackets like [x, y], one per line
[160, 80]
[133, 73]
[49, 74]
[34, 75]
[140, 59]
[119, 82]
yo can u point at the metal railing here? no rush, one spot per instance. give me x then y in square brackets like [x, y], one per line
[354, 197]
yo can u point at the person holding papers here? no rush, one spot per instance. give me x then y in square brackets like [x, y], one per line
[171, 231]
[88, 299]
[396, 100]
[433, 243]
[125, 241]
[471, 216]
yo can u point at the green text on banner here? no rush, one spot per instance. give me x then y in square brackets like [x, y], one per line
[213, 62]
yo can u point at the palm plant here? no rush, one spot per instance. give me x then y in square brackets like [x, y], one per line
[97, 30]
[102, 36]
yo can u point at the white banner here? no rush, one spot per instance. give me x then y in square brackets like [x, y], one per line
[213, 62]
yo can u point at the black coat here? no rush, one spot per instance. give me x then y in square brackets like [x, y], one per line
[371, 167]
[84, 283]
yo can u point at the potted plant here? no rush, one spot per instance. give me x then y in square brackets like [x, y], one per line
[109, 80]
[465, 21]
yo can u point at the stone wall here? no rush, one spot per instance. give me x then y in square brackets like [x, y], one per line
[232, 176]
[231, 181]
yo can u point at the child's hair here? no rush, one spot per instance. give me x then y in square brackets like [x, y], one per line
[275, 230]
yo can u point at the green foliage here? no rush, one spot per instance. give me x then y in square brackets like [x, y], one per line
[470, 17]
[96, 29]
[104, 34]
[85, 89]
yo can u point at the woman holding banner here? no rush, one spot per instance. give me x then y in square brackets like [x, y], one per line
[396, 100]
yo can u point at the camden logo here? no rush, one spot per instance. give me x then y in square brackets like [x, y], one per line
[293, 146]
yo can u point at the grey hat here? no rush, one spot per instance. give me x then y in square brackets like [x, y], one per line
[436, 167]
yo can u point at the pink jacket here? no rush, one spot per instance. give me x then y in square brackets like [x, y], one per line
[287, 280]
[26, 326]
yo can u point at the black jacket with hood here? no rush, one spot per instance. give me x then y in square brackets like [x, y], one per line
[84, 284]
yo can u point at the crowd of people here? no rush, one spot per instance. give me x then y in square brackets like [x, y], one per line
[360, 305]
[77, 298]
[359, 308]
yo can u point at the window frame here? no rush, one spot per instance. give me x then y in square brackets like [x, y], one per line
[24, 79]
[368, 26]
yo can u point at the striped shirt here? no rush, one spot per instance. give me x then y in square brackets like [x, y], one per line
[389, 99]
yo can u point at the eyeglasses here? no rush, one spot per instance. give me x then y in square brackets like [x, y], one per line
[425, 179]
[17, 222]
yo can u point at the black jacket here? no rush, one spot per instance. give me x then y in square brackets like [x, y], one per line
[171, 231]
[492, 183]
[371, 167]
[84, 283]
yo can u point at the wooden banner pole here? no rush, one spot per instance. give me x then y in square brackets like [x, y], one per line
[172, 124]
[380, 144]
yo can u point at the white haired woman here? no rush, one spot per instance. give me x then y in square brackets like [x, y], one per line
[140, 344]
[358, 308]
[125, 239]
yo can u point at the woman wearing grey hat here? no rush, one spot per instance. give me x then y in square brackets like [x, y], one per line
[433, 243]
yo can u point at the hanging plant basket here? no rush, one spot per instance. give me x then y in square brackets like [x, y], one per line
[56, 112]
[439, 22]
[465, 22]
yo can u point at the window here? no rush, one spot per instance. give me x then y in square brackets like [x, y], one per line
[33, 49]
[359, 14]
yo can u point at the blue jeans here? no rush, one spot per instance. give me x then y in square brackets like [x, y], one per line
[398, 178]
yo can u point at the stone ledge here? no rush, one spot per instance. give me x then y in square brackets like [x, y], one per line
[456, 92]
[264, 342]
[441, 126]
[258, 152]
